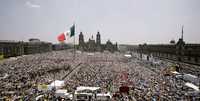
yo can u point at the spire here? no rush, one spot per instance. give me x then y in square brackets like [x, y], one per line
[98, 33]
[182, 33]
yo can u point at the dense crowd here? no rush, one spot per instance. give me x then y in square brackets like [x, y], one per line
[149, 79]
[109, 71]
[20, 74]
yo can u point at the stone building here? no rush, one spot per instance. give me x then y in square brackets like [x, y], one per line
[95, 45]
[181, 51]
[36, 46]
[98, 42]
[10, 48]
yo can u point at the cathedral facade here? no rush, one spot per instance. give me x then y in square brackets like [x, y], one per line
[95, 45]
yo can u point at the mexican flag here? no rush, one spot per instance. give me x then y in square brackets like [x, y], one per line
[67, 34]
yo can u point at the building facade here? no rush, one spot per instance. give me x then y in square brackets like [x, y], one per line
[95, 45]
[181, 51]
[10, 48]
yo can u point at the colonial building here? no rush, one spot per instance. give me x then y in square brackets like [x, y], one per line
[36, 46]
[95, 45]
[10, 48]
[181, 51]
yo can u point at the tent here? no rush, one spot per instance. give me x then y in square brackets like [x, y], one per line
[80, 88]
[104, 94]
[61, 92]
[128, 55]
[57, 84]
[192, 86]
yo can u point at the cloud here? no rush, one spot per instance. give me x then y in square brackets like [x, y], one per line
[31, 5]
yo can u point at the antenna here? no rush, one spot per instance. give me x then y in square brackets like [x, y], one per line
[182, 33]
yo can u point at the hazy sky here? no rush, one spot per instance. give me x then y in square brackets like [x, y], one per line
[122, 21]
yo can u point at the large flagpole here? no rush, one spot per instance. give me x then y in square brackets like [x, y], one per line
[74, 40]
[73, 96]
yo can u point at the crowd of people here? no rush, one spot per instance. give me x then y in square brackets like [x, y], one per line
[20, 75]
[109, 71]
[149, 80]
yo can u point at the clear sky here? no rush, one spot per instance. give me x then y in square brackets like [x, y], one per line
[122, 21]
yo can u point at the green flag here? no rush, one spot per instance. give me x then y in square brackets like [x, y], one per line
[72, 31]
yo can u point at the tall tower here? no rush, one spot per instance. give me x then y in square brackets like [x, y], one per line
[98, 42]
[81, 41]
[182, 33]
[98, 38]
[180, 47]
[81, 38]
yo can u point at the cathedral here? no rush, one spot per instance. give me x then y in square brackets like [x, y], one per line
[95, 46]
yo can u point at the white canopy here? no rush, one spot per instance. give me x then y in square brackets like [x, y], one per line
[80, 88]
[61, 91]
[192, 86]
[69, 95]
[104, 94]
[57, 84]
[128, 55]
